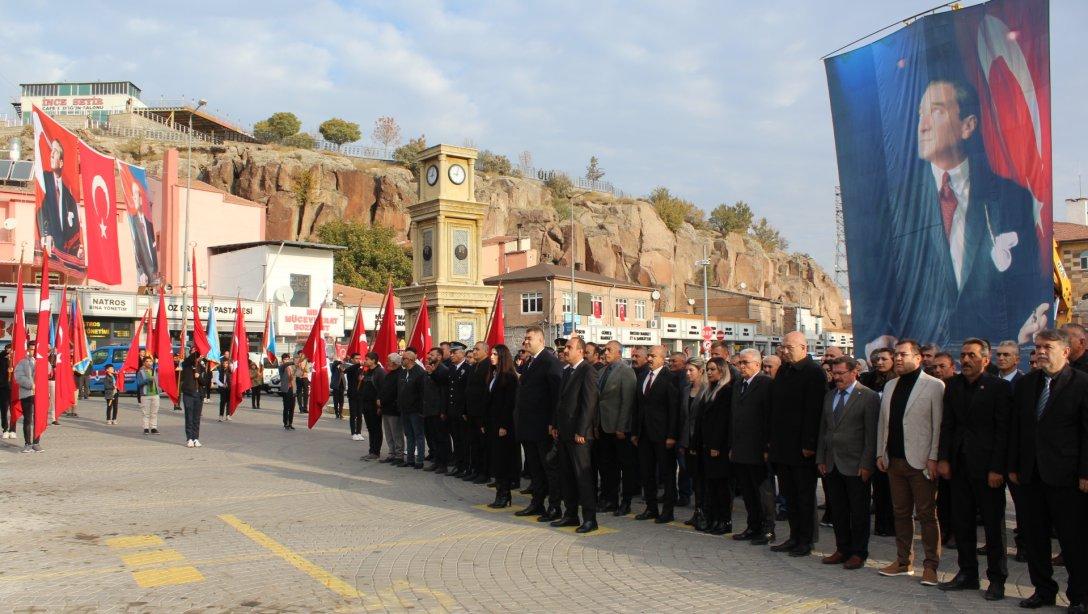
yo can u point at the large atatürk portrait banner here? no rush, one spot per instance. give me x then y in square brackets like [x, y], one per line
[942, 131]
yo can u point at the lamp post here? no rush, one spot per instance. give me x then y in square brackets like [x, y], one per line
[188, 191]
[705, 263]
[572, 246]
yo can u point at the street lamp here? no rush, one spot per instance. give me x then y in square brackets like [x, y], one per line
[572, 246]
[188, 192]
[705, 263]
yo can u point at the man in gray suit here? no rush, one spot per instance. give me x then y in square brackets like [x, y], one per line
[616, 456]
[908, 440]
[846, 457]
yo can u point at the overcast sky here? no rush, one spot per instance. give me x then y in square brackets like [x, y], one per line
[718, 101]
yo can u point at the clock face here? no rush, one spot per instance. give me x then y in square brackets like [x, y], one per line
[461, 251]
[457, 174]
[432, 174]
[426, 252]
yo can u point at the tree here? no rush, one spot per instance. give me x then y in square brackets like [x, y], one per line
[674, 211]
[302, 140]
[731, 218]
[386, 131]
[371, 258]
[594, 172]
[491, 162]
[525, 160]
[277, 127]
[560, 185]
[339, 131]
[408, 154]
[768, 236]
[305, 193]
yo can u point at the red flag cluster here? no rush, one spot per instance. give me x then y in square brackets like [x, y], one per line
[386, 341]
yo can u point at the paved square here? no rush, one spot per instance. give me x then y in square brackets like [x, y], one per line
[261, 519]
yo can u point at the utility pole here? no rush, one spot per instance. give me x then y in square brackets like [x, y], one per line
[705, 263]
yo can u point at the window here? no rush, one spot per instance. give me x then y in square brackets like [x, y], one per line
[101, 356]
[640, 310]
[597, 302]
[566, 302]
[300, 285]
[1084, 260]
[621, 308]
[532, 302]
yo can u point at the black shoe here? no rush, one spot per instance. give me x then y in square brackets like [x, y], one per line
[996, 592]
[720, 528]
[286, 428]
[609, 507]
[1075, 608]
[532, 510]
[154, 431]
[683, 502]
[744, 535]
[480, 479]
[470, 476]
[666, 516]
[550, 515]
[960, 582]
[500, 501]
[290, 427]
[785, 546]
[146, 431]
[440, 470]
[566, 521]
[701, 522]
[419, 465]
[456, 473]
[526, 491]
[801, 550]
[1036, 601]
[396, 462]
[762, 539]
[587, 527]
[623, 509]
[430, 467]
[647, 515]
[981, 550]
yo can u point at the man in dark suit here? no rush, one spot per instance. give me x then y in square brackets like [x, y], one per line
[1078, 346]
[657, 424]
[435, 416]
[1048, 458]
[846, 457]
[410, 403]
[476, 409]
[615, 454]
[538, 393]
[59, 216]
[964, 255]
[797, 399]
[749, 437]
[972, 456]
[369, 382]
[1007, 361]
[458, 416]
[575, 422]
[678, 368]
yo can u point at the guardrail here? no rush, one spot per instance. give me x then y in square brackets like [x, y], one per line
[355, 151]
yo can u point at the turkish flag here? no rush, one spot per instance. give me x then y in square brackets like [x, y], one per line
[18, 345]
[358, 344]
[41, 354]
[132, 357]
[386, 341]
[496, 335]
[240, 381]
[63, 376]
[314, 351]
[420, 339]
[164, 351]
[200, 338]
[100, 211]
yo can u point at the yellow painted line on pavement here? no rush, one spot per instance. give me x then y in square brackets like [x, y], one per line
[168, 576]
[323, 577]
[152, 557]
[134, 541]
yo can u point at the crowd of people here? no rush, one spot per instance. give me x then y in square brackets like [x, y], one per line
[906, 439]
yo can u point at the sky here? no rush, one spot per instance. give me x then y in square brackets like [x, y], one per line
[717, 101]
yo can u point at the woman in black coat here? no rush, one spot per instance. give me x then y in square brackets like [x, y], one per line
[714, 419]
[502, 388]
[690, 441]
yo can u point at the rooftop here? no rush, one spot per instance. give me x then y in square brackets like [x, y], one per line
[555, 271]
[233, 247]
[1064, 231]
[350, 295]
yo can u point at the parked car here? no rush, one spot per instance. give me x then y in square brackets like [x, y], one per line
[111, 355]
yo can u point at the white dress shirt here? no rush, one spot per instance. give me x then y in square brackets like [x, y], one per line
[960, 179]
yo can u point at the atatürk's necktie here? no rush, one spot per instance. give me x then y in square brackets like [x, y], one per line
[1044, 396]
[948, 204]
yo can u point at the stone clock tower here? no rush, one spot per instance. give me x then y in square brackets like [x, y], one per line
[445, 233]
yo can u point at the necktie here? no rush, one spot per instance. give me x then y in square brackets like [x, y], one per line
[649, 382]
[604, 376]
[743, 387]
[948, 204]
[839, 405]
[1044, 396]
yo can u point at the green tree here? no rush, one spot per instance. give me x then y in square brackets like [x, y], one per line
[594, 172]
[731, 218]
[302, 140]
[371, 258]
[674, 211]
[339, 131]
[491, 162]
[277, 127]
[768, 236]
[408, 154]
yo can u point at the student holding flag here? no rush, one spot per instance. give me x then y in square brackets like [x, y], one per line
[27, 383]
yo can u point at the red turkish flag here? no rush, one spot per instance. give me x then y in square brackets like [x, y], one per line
[314, 351]
[18, 345]
[64, 378]
[41, 356]
[420, 339]
[386, 341]
[240, 381]
[132, 358]
[496, 335]
[358, 344]
[200, 338]
[100, 210]
[164, 351]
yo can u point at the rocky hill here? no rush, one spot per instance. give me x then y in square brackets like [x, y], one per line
[622, 238]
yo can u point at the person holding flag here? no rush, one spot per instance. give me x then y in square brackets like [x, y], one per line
[239, 380]
[193, 383]
[315, 353]
[26, 380]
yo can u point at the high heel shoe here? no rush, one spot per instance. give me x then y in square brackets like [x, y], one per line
[502, 499]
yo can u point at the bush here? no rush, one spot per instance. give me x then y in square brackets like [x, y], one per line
[560, 185]
[408, 154]
[301, 140]
[562, 207]
[731, 218]
[768, 236]
[490, 162]
[674, 211]
[339, 131]
[277, 127]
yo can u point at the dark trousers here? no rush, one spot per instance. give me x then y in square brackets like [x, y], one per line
[28, 421]
[884, 519]
[797, 483]
[414, 436]
[753, 482]
[617, 461]
[439, 440]
[717, 499]
[355, 416]
[576, 475]
[111, 408]
[691, 460]
[5, 406]
[1064, 508]
[477, 445]
[655, 460]
[944, 509]
[224, 402]
[255, 397]
[193, 404]
[288, 408]
[373, 426]
[683, 478]
[459, 433]
[83, 381]
[302, 394]
[848, 500]
[338, 402]
[542, 460]
[970, 494]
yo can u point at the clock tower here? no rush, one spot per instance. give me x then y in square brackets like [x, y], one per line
[445, 234]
